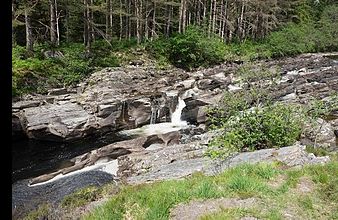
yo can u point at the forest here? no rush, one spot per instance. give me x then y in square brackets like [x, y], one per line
[83, 35]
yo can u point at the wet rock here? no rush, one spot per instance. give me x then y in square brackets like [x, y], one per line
[25, 198]
[140, 111]
[17, 129]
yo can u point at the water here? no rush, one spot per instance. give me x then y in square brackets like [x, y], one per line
[176, 124]
[176, 116]
[31, 158]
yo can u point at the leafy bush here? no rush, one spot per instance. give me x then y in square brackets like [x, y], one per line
[193, 49]
[258, 128]
[37, 73]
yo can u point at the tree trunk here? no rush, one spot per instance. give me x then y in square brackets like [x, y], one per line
[169, 20]
[225, 20]
[129, 21]
[137, 11]
[214, 17]
[146, 22]
[198, 14]
[204, 10]
[184, 16]
[220, 26]
[210, 19]
[29, 35]
[121, 21]
[53, 22]
[180, 17]
[67, 22]
[91, 22]
[153, 29]
[108, 23]
[57, 24]
[241, 29]
[87, 26]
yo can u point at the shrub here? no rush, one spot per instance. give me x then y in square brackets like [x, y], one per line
[248, 120]
[193, 49]
[258, 128]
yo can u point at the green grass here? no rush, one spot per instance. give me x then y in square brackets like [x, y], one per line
[154, 201]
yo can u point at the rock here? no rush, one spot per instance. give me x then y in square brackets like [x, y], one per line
[59, 91]
[17, 129]
[194, 111]
[321, 133]
[197, 208]
[52, 54]
[56, 122]
[140, 111]
[185, 84]
[289, 97]
[136, 62]
[26, 199]
[208, 84]
[25, 104]
[178, 161]
[234, 88]
[98, 103]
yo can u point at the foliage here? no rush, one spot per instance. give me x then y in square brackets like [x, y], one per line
[193, 49]
[258, 128]
[38, 73]
[40, 213]
[81, 197]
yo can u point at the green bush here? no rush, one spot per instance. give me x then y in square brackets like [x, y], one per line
[258, 128]
[36, 73]
[193, 49]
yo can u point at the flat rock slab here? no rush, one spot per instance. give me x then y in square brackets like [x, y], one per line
[165, 164]
[60, 120]
[197, 209]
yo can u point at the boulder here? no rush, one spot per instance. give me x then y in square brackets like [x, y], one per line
[319, 133]
[57, 122]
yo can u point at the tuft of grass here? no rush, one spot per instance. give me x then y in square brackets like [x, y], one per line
[41, 213]
[317, 151]
[229, 214]
[81, 197]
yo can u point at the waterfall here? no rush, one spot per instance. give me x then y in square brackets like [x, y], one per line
[176, 116]
[153, 115]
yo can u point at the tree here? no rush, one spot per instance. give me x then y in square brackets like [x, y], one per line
[54, 26]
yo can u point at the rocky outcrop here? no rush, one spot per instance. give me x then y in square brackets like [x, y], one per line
[123, 98]
[111, 152]
[178, 161]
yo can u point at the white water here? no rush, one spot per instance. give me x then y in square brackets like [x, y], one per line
[160, 128]
[176, 116]
[110, 167]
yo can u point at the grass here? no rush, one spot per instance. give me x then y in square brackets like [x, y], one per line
[154, 201]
